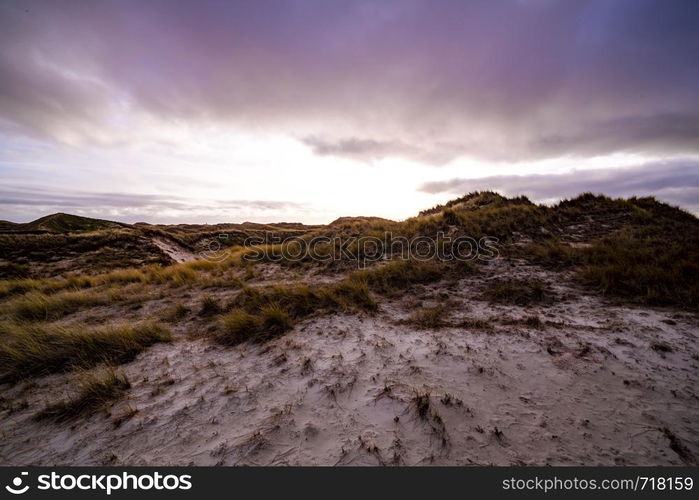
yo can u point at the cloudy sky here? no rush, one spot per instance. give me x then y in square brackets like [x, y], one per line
[306, 110]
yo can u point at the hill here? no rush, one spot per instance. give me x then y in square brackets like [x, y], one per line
[62, 223]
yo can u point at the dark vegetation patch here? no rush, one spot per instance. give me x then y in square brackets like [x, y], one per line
[61, 223]
[210, 307]
[649, 253]
[53, 254]
[661, 347]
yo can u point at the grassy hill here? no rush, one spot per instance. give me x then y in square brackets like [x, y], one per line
[636, 249]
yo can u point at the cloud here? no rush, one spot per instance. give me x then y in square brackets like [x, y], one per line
[425, 80]
[371, 150]
[21, 200]
[675, 182]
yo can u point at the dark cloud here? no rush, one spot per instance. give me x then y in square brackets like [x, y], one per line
[366, 79]
[675, 182]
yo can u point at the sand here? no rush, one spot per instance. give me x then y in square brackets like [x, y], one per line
[586, 387]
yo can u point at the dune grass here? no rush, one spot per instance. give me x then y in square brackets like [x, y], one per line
[95, 391]
[34, 349]
[652, 259]
[653, 271]
[517, 292]
[398, 275]
[195, 272]
[261, 315]
[37, 306]
[269, 322]
[209, 307]
[430, 318]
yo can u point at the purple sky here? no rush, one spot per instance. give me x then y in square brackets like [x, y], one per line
[308, 110]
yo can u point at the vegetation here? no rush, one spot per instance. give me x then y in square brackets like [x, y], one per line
[38, 306]
[430, 317]
[209, 307]
[29, 349]
[636, 250]
[271, 321]
[654, 263]
[64, 223]
[398, 275]
[517, 292]
[95, 391]
[49, 254]
[651, 255]
[261, 315]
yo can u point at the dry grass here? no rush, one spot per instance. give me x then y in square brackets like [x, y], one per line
[517, 292]
[651, 258]
[197, 272]
[240, 326]
[261, 315]
[38, 306]
[95, 391]
[177, 313]
[430, 318]
[398, 275]
[655, 270]
[210, 307]
[31, 349]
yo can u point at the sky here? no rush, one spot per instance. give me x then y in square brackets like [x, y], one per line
[308, 110]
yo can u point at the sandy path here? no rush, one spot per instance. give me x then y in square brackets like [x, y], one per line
[176, 252]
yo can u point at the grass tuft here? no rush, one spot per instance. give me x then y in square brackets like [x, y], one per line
[95, 392]
[430, 318]
[517, 292]
[210, 307]
[262, 315]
